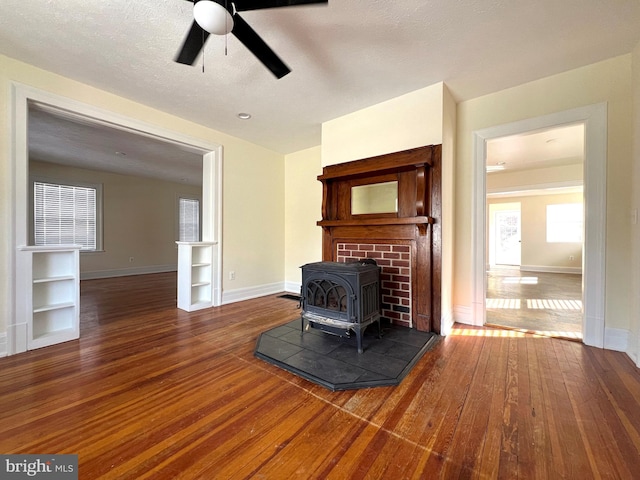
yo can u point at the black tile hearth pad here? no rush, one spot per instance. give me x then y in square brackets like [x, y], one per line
[334, 362]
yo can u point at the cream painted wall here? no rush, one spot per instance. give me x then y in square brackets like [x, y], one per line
[634, 341]
[139, 219]
[535, 250]
[409, 121]
[303, 204]
[253, 193]
[253, 218]
[608, 81]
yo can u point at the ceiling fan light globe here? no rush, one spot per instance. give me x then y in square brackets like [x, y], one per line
[212, 17]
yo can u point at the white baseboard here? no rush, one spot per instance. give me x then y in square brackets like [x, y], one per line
[240, 294]
[3, 345]
[462, 314]
[633, 347]
[634, 358]
[616, 339]
[292, 287]
[446, 323]
[16, 338]
[125, 272]
[545, 269]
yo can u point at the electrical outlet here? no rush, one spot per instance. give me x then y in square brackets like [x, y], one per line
[232, 275]
[130, 259]
[571, 257]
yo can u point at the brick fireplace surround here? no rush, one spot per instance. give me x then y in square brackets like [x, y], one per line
[395, 275]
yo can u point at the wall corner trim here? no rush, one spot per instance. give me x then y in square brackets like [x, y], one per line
[3, 345]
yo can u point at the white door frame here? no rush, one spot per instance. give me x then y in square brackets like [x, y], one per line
[594, 119]
[22, 96]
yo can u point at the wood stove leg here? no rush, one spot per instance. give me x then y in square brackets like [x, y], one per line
[359, 339]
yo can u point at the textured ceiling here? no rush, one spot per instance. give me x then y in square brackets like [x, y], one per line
[556, 146]
[345, 56]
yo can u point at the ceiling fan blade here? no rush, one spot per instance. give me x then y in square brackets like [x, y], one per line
[258, 47]
[244, 5]
[193, 43]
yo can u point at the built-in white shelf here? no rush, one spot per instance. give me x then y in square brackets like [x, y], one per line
[50, 279]
[54, 279]
[195, 275]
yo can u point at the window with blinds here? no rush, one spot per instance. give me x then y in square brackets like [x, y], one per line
[189, 221]
[65, 214]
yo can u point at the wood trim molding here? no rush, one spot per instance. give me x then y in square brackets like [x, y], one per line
[422, 220]
[390, 162]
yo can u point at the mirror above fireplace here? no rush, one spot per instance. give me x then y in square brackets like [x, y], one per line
[374, 198]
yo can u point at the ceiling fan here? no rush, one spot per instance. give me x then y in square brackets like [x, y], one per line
[221, 17]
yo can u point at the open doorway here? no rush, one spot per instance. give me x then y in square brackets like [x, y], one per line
[24, 100]
[137, 186]
[594, 120]
[534, 274]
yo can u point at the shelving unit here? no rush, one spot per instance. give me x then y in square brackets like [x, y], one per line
[50, 277]
[195, 275]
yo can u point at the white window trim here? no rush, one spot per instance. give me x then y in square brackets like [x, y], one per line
[71, 183]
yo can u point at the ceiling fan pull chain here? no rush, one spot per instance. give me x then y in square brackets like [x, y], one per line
[226, 28]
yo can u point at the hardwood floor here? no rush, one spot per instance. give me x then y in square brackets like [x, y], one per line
[150, 391]
[545, 303]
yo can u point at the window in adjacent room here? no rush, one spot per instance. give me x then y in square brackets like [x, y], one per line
[564, 223]
[189, 219]
[65, 214]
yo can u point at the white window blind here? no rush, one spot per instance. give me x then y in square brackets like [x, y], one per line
[189, 220]
[64, 214]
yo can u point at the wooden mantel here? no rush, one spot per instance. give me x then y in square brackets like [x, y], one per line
[377, 221]
[416, 223]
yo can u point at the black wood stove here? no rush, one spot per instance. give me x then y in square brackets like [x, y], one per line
[341, 298]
